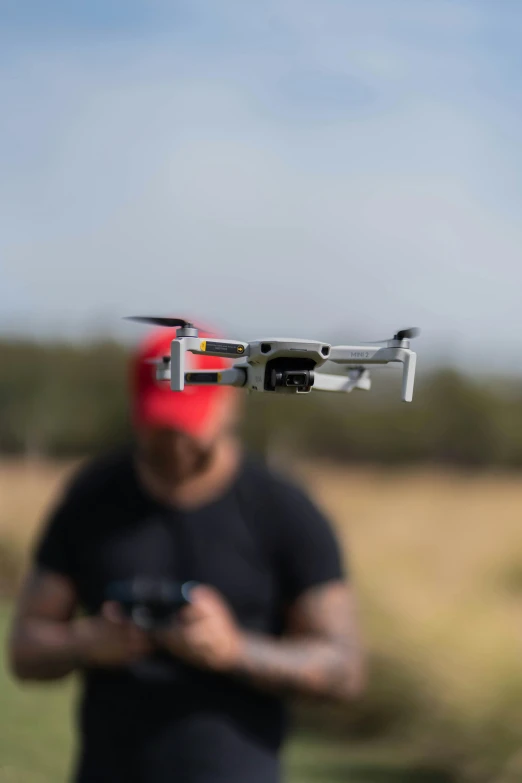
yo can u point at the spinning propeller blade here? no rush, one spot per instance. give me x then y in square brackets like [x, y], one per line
[158, 360]
[159, 320]
[403, 334]
[407, 334]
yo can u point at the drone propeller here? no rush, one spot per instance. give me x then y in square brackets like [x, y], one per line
[407, 334]
[403, 334]
[160, 321]
[158, 360]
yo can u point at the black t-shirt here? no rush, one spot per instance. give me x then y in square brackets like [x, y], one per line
[261, 544]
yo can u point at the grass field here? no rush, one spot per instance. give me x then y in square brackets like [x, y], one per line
[437, 558]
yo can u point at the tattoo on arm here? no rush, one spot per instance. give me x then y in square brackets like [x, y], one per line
[321, 654]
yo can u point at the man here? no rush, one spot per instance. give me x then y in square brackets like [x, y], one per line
[272, 612]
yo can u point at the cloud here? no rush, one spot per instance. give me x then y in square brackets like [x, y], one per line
[318, 166]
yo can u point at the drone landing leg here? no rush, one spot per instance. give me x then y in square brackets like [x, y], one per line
[177, 364]
[408, 376]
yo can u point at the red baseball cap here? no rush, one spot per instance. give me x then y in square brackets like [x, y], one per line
[155, 404]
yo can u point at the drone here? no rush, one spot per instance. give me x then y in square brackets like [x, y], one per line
[282, 365]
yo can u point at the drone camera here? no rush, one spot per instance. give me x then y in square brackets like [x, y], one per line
[300, 379]
[288, 374]
[293, 379]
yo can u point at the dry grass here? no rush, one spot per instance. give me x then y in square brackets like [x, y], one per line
[437, 558]
[440, 555]
[27, 491]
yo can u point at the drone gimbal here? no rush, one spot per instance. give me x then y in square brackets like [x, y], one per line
[283, 365]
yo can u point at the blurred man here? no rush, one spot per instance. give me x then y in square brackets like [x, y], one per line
[272, 613]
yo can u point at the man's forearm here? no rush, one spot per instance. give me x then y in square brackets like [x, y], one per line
[43, 650]
[308, 666]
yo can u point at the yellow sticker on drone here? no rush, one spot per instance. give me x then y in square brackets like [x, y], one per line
[219, 376]
[220, 348]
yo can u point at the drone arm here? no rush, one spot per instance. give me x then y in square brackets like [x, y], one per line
[358, 378]
[234, 376]
[347, 354]
[353, 354]
[228, 349]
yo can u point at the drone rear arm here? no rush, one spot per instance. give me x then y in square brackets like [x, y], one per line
[362, 355]
[358, 378]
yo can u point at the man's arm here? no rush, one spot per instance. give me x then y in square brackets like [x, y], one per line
[321, 652]
[321, 655]
[41, 644]
[47, 643]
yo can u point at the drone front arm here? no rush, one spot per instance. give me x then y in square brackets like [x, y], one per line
[362, 355]
[233, 376]
[227, 349]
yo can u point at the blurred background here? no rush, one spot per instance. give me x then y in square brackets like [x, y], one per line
[330, 169]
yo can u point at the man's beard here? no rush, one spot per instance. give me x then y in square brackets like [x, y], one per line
[174, 470]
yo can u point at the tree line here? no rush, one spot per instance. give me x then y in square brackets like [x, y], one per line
[62, 400]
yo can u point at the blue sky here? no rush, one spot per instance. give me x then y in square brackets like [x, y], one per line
[318, 166]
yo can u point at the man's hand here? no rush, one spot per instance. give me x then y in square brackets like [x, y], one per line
[108, 640]
[320, 654]
[204, 633]
[47, 642]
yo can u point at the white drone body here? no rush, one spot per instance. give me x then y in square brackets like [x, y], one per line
[282, 365]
